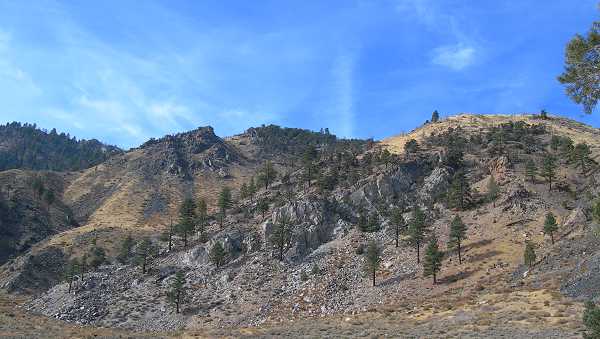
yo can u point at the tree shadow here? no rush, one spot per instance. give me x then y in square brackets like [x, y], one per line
[397, 279]
[449, 279]
[477, 244]
[482, 256]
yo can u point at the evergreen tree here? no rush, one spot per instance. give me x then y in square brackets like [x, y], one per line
[458, 233]
[530, 169]
[411, 146]
[97, 257]
[168, 234]
[435, 116]
[596, 211]
[581, 154]
[543, 114]
[549, 170]
[308, 157]
[581, 75]
[263, 206]
[550, 226]
[372, 259]
[555, 143]
[416, 230]
[398, 221]
[386, 158]
[282, 234]
[187, 219]
[566, 147]
[225, 202]
[267, 174]
[71, 271]
[202, 218]
[492, 190]
[529, 256]
[83, 266]
[177, 291]
[591, 320]
[459, 191]
[144, 253]
[433, 259]
[251, 189]
[244, 191]
[217, 254]
[125, 250]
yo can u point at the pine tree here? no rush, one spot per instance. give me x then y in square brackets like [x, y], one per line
[529, 256]
[435, 116]
[459, 191]
[251, 189]
[372, 259]
[530, 169]
[187, 219]
[398, 221]
[125, 250]
[83, 266]
[308, 157]
[596, 211]
[544, 114]
[411, 146]
[282, 234]
[267, 174]
[217, 254]
[263, 206]
[244, 191]
[416, 230]
[492, 190]
[177, 291]
[550, 226]
[97, 256]
[433, 259]
[581, 69]
[71, 271]
[225, 202]
[386, 158]
[581, 154]
[168, 234]
[591, 320]
[555, 143]
[144, 253]
[458, 233]
[549, 170]
[202, 217]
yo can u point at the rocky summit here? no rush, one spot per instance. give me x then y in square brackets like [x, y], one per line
[471, 226]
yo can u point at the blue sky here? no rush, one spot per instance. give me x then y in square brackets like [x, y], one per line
[125, 71]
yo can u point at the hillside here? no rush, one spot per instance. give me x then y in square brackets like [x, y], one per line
[24, 146]
[334, 197]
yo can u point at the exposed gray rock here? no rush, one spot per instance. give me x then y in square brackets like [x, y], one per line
[434, 185]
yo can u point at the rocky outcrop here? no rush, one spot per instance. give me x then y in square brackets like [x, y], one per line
[434, 185]
[383, 187]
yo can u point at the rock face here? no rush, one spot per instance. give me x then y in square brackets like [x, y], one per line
[434, 185]
[384, 187]
[499, 167]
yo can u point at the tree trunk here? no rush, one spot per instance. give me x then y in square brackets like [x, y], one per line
[552, 237]
[397, 234]
[70, 284]
[373, 277]
[144, 266]
[459, 257]
[434, 278]
[418, 253]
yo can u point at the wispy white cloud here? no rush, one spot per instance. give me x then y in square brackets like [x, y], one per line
[456, 57]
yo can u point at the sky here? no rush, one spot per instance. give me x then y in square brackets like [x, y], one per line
[125, 71]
